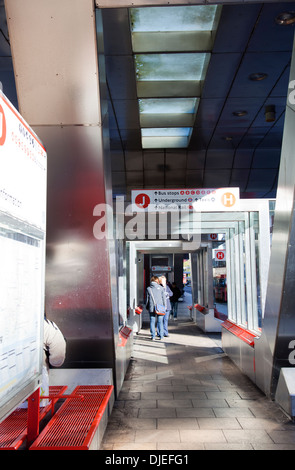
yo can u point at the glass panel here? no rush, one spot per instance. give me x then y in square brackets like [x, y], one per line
[164, 142]
[171, 67]
[256, 303]
[168, 105]
[188, 18]
[219, 276]
[169, 137]
[166, 132]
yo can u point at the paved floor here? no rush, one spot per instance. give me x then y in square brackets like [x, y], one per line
[184, 393]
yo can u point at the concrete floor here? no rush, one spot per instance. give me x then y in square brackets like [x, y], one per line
[184, 393]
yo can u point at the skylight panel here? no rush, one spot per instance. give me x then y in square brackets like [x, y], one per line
[171, 67]
[177, 137]
[165, 132]
[187, 18]
[168, 105]
[172, 48]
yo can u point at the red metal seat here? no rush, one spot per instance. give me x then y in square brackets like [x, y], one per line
[74, 425]
[13, 430]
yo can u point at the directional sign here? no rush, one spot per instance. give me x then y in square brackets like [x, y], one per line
[199, 199]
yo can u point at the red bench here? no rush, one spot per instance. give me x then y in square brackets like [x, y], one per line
[13, 430]
[76, 423]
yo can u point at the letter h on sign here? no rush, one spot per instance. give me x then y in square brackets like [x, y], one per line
[228, 199]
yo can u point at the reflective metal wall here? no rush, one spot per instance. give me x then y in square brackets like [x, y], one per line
[278, 329]
[57, 64]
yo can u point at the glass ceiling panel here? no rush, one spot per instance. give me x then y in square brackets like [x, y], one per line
[171, 67]
[168, 105]
[186, 18]
[165, 142]
[166, 132]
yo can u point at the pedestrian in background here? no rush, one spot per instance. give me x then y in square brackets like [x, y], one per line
[168, 294]
[155, 295]
[174, 299]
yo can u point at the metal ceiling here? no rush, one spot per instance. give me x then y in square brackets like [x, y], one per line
[225, 150]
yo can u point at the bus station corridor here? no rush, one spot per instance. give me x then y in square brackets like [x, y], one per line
[184, 393]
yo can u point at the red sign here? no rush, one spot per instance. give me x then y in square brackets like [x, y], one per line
[142, 200]
[213, 236]
[220, 255]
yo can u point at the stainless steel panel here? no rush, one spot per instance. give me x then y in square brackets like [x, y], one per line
[234, 29]
[278, 325]
[261, 179]
[129, 3]
[59, 39]
[134, 161]
[78, 289]
[271, 63]
[216, 178]
[219, 159]
[194, 178]
[117, 20]
[266, 158]
[58, 82]
[267, 27]
[285, 393]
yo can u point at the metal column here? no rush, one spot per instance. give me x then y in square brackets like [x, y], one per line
[58, 62]
[272, 349]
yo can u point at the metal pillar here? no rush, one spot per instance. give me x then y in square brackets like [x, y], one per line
[58, 63]
[278, 328]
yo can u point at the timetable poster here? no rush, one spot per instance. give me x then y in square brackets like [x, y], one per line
[22, 255]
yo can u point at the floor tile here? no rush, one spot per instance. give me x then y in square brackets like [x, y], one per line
[178, 423]
[185, 394]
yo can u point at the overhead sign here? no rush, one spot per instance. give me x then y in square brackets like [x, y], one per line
[162, 268]
[198, 199]
[22, 254]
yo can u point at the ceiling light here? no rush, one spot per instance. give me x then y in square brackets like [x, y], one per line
[240, 113]
[270, 113]
[257, 77]
[285, 18]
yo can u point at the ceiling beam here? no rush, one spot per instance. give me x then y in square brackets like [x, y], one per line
[144, 3]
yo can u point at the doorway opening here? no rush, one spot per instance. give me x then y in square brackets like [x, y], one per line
[228, 266]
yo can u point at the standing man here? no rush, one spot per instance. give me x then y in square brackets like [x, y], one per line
[174, 299]
[155, 295]
[168, 294]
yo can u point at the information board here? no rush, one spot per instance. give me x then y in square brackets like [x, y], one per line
[23, 164]
[198, 199]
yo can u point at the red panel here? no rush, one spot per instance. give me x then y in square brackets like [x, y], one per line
[199, 307]
[124, 334]
[245, 335]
